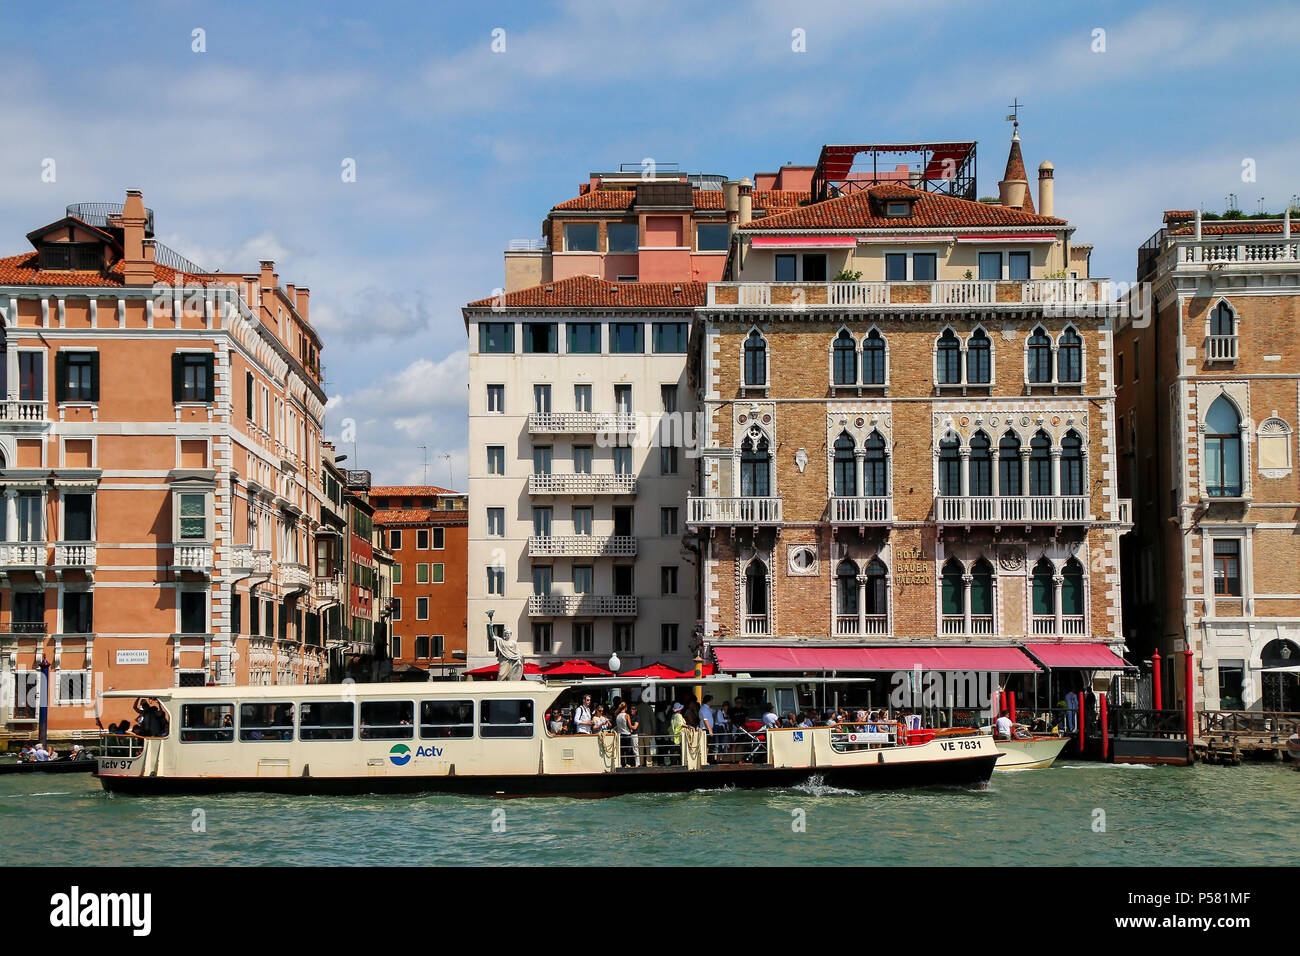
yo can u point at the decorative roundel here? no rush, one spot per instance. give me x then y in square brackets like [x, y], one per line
[965, 420]
[1056, 419]
[993, 422]
[859, 422]
[742, 419]
[767, 419]
[1025, 420]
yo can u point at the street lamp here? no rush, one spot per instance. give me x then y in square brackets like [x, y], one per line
[614, 662]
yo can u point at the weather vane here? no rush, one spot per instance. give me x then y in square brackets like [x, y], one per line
[1015, 107]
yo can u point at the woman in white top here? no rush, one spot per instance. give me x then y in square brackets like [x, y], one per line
[623, 727]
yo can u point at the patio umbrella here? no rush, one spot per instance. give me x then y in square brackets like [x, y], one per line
[575, 668]
[661, 671]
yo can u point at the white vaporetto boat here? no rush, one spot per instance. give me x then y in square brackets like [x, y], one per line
[491, 738]
[1036, 752]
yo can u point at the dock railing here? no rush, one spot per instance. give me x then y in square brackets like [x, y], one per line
[1268, 725]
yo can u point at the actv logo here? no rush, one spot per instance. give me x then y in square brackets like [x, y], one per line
[400, 755]
[75, 909]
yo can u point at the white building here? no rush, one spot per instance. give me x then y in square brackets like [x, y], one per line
[577, 510]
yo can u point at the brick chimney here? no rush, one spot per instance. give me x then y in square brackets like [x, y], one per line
[302, 299]
[136, 269]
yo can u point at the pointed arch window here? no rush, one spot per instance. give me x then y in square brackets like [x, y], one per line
[846, 468]
[1044, 588]
[981, 589]
[1223, 321]
[980, 465]
[1040, 464]
[755, 468]
[1223, 449]
[875, 479]
[875, 595]
[873, 358]
[1040, 357]
[756, 588]
[845, 359]
[755, 359]
[1072, 589]
[1009, 465]
[949, 467]
[979, 350]
[948, 362]
[1072, 464]
[1069, 358]
[951, 589]
[846, 587]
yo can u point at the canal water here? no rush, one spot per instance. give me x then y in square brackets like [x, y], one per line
[1080, 813]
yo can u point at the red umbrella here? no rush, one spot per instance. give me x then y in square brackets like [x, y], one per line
[661, 671]
[491, 670]
[575, 668]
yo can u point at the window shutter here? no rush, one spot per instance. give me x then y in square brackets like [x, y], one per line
[60, 376]
[210, 361]
[248, 382]
[94, 376]
[178, 377]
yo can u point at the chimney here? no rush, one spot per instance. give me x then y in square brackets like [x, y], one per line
[1046, 189]
[303, 295]
[267, 280]
[731, 204]
[136, 270]
[288, 291]
[745, 211]
[1014, 187]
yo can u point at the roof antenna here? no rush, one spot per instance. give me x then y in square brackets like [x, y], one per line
[425, 449]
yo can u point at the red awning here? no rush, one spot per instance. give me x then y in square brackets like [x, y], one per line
[1096, 657]
[804, 242]
[575, 668]
[661, 671]
[1004, 660]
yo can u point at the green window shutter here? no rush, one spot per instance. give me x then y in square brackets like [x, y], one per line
[94, 376]
[210, 361]
[60, 376]
[437, 574]
[178, 377]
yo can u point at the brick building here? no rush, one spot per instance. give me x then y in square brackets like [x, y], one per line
[1208, 406]
[159, 456]
[425, 529]
[908, 433]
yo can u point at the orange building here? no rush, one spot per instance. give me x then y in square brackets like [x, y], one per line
[426, 529]
[160, 460]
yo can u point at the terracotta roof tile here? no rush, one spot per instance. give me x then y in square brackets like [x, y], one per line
[22, 270]
[860, 210]
[578, 291]
[409, 491]
[390, 516]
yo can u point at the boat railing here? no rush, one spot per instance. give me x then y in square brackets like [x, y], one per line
[869, 735]
[120, 746]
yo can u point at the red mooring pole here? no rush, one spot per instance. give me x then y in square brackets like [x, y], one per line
[1155, 679]
[1105, 737]
[1083, 720]
[1011, 705]
[1187, 704]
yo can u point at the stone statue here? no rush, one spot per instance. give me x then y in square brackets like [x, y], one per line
[510, 663]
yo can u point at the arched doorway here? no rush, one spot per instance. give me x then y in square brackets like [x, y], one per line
[1281, 688]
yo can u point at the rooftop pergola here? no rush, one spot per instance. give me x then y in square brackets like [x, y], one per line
[943, 168]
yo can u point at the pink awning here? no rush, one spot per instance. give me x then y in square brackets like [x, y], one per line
[1097, 657]
[1004, 660]
[804, 242]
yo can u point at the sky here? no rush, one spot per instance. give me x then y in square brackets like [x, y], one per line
[465, 123]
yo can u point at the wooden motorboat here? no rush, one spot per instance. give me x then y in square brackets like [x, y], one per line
[1033, 752]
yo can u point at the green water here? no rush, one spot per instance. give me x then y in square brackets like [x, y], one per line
[1154, 816]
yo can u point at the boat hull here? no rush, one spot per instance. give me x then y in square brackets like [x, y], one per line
[49, 766]
[973, 771]
[1037, 753]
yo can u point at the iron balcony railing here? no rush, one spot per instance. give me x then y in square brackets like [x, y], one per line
[986, 509]
[581, 423]
[582, 546]
[581, 605]
[97, 214]
[734, 511]
[548, 484]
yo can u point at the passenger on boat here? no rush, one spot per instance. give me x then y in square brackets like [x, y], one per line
[623, 727]
[600, 723]
[27, 754]
[677, 724]
[770, 719]
[40, 754]
[1004, 727]
[556, 722]
[582, 716]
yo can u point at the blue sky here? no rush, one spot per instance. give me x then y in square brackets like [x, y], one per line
[459, 149]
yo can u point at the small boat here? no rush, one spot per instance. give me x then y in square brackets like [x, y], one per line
[83, 765]
[492, 738]
[1035, 752]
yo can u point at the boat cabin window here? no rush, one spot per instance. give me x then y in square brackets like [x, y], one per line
[505, 718]
[387, 719]
[207, 723]
[446, 718]
[325, 720]
[272, 721]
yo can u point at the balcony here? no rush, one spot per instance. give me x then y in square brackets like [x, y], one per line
[19, 555]
[293, 575]
[1070, 625]
[733, 511]
[874, 510]
[582, 546]
[581, 605]
[869, 625]
[979, 625]
[192, 557]
[1234, 250]
[756, 625]
[74, 554]
[22, 410]
[916, 296]
[1221, 348]
[986, 509]
[329, 588]
[581, 423]
[1126, 513]
[546, 484]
